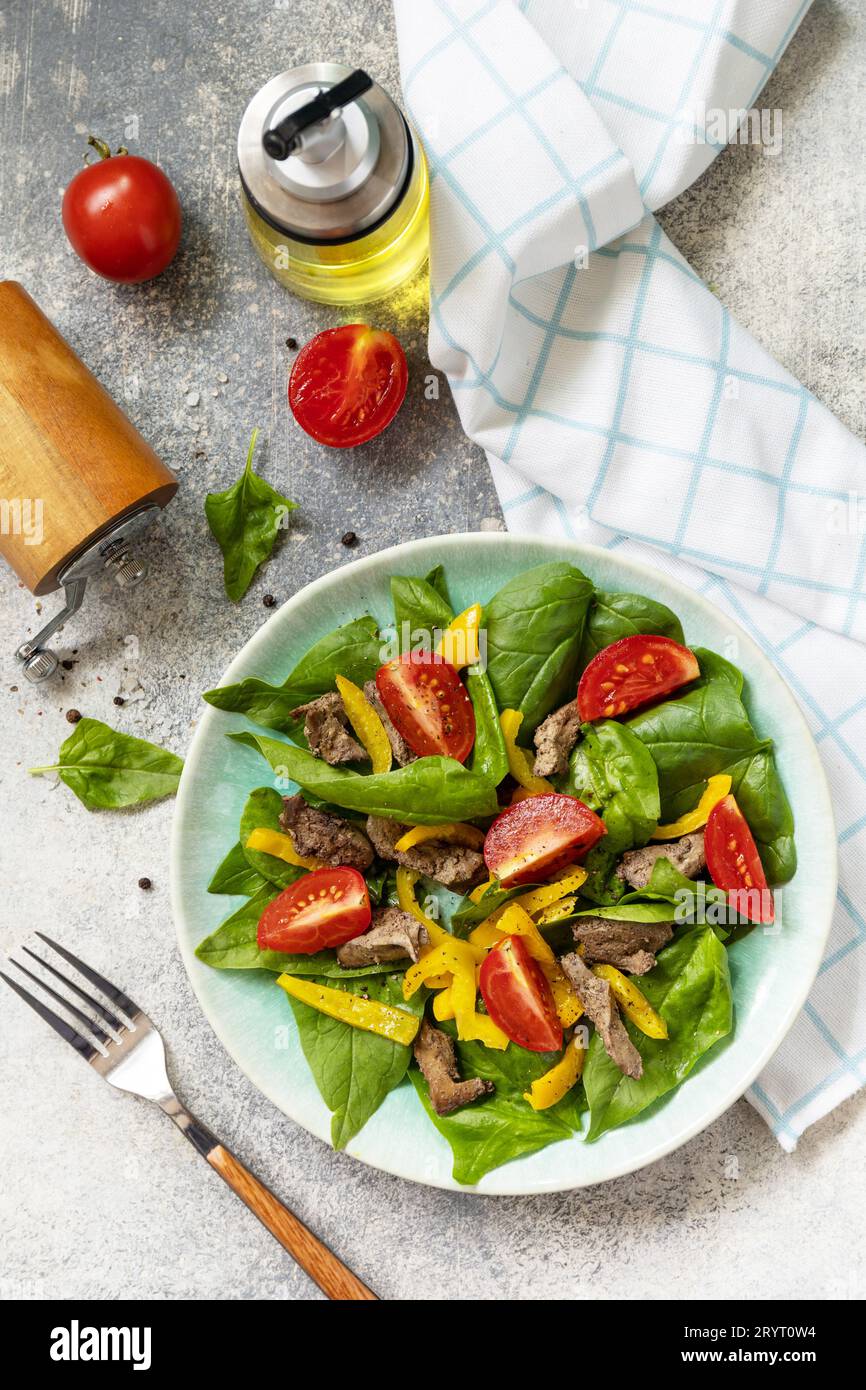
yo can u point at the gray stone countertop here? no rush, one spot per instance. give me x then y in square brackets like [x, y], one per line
[100, 1195]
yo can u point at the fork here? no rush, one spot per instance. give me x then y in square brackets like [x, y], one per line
[127, 1051]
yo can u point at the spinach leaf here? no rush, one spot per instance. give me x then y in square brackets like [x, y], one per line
[469, 914]
[708, 731]
[716, 668]
[262, 812]
[501, 1126]
[489, 758]
[436, 578]
[244, 521]
[692, 898]
[614, 773]
[353, 650]
[535, 626]
[656, 911]
[354, 1070]
[430, 791]
[234, 875]
[419, 610]
[233, 946]
[613, 616]
[106, 769]
[691, 988]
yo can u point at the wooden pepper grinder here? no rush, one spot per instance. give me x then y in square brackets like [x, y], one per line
[77, 481]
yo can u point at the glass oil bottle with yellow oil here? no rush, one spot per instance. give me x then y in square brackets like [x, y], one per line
[335, 185]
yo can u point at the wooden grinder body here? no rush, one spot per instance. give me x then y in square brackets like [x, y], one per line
[64, 444]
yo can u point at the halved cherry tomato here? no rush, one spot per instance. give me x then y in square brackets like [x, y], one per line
[428, 704]
[632, 671]
[518, 997]
[347, 384]
[325, 908]
[534, 838]
[734, 863]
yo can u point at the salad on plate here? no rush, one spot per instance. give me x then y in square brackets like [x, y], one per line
[503, 853]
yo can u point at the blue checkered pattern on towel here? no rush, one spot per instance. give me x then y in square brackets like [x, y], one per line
[614, 394]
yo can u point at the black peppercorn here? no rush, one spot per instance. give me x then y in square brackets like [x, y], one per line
[119, 700]
[269, 601]
[292, 344]
[73, 716]
[349, 538]
[145, 883]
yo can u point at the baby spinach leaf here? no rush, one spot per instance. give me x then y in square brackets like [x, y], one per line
[354, 1070]
[353, 650]
[436, 578]
[629, 912]
[430, 791]
[716, 668]
[244, 521]
[489, 758]
[502, 1126]
[233, 946]
[535, 626]
[419, 610]
[262, 812]
[106, 769]
[708, 731]
[234, 875]
[613, 616]
[691, 988]
[614, 773]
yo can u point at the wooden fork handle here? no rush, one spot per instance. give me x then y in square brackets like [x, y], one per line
[323, 1267]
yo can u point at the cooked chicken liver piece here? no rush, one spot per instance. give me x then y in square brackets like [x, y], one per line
[600, 1006]
[392, 935]
[686, 854]
[554, 740]
[630, 946]
[321, 835]
[399, 747]
[454, 866]
[325, 722]
[434, 1053]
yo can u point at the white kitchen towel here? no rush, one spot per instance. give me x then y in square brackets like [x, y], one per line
[617, 399]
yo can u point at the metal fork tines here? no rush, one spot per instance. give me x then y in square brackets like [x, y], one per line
[123, 1046]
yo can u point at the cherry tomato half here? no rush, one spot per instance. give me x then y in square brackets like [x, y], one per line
[538, 836]
[632, 671]
[518, 997]
[324, 908]
[347, 384]
[122, 217]
[734, 863]
[428, 704]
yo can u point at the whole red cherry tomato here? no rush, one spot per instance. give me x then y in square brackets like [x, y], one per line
[122, 217]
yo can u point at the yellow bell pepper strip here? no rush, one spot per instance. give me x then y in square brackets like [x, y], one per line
[515, 921]
[366, 723]
[634, 1005]
[281, 847]
[454, 833]
[384, 1019]
[406, 880]
[459, 645]
[557, 1082]
[716, 790]
[519, 761]
[448, 957]
[478, 893]
[481, 1028]
[555, 912]
[486, 934]
[443, 1005]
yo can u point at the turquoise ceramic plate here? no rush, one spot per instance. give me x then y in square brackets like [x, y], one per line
[772, 973]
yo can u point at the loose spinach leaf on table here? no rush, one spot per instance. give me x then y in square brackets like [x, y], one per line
[234, 875]
[613, 772]
[352, 650]
[430, 791]
[489, 758]
[708, 731]
[106, 769]
[614, 616]
[690, 987]
[262, 812]
[354, 1070]
[244, 521]
[535, 626]
[233, 946]
[501, 1126]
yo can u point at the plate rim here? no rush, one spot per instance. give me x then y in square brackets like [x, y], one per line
[639, 569]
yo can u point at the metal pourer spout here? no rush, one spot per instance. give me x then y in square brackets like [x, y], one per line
[315, 132]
